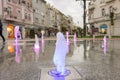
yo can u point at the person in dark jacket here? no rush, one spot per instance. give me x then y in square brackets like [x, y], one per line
[1, 31]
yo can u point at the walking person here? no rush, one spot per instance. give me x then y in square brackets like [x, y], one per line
[1, 31]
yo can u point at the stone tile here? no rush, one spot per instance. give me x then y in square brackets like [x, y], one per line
[73, 76]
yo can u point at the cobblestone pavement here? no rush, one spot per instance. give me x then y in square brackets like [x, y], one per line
[86, 60]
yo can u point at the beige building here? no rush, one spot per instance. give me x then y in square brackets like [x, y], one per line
[105, 15]
[55, 20]
[39, 14]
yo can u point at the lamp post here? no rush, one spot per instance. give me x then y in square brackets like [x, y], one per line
[84, 17]
[111, 23]
[111, 16]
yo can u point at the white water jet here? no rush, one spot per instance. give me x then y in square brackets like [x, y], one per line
[36, 45]
[42, 36]
[59, 57]
[17, 52]
[75, 39]
[67, 36]
[105, 44]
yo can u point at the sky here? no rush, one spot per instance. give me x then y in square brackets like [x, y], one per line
[70, 7]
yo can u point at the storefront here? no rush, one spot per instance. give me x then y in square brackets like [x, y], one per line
[103, 29]
[10, 31]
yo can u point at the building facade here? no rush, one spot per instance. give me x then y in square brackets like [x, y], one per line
[16, 13]
[32, 16]
[39, 14]
[105, 15]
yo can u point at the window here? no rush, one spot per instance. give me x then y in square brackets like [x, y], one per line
[9, 0]
[94, 0]
[19, 2]
[36, 1]
[14, 1]
[25, 15]
[9, 11]
[110, 9]
[28, 5]
[103, 12]
[29, 17]
[19, 14]
[102, 1]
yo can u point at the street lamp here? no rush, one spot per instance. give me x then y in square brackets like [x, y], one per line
[84, 17]
[111, 16]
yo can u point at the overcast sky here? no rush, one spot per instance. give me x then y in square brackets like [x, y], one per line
[70, 7]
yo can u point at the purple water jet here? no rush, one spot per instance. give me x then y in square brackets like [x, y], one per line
[17, 33]
[36, 45]
[105, 44]
[17, 52]
[67, 36]
[36, 48]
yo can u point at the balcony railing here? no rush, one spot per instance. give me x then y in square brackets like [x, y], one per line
[12, 18]
[107, 1]
[99, 19]
[92, 6]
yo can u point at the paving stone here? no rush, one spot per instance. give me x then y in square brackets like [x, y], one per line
[73, 76]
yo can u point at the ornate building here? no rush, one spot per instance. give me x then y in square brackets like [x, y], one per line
[105, 15]
[16, 12]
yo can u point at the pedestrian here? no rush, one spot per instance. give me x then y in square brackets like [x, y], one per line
[1, 31]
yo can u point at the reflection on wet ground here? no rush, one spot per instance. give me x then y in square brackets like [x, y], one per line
[19, 61]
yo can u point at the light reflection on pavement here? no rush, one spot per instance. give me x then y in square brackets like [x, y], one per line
[87, 57]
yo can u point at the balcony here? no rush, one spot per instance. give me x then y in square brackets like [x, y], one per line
[108, 1]
[92, 6]
[98, 20]
[9, 17]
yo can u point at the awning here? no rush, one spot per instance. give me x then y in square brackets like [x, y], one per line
[104, 26]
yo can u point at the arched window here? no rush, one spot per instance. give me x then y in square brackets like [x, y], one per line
[19, 14]
[110, 9]
[103, 12]
[102, 1]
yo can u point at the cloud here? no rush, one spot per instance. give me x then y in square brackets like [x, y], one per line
[70, 7]
[50, 1]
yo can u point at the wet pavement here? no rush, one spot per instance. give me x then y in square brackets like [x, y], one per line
[87, 60]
